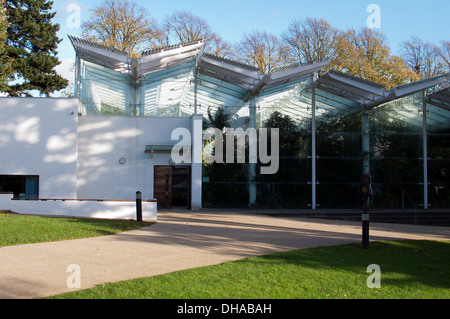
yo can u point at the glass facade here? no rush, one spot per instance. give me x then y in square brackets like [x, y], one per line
[397, 152]
[330, 132]
[395, 159]
[391, 147]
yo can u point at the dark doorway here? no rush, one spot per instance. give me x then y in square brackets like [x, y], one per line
[181, 186]
[172, 186]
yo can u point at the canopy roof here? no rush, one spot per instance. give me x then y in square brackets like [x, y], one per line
[180, 80]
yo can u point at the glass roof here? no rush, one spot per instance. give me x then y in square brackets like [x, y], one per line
[180, 80]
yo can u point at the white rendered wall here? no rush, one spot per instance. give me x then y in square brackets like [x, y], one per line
[38, 136]
[84, 209]
[103, 141]
[78, 157]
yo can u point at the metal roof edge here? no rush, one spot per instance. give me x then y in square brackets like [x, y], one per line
[409, 88]
[93, 44]
[298, 70]
[414, 87]
[170, 47]
[230, 62]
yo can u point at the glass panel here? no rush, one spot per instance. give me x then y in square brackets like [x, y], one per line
[396, 152]
[395, 155]
[439, 169]
[339, 163]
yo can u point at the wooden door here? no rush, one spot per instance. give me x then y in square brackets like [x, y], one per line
[163, 186]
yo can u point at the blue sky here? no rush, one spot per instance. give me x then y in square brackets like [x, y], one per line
[231, 19]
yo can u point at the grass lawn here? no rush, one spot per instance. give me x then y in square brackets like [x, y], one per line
[20, 229]
[409, 270]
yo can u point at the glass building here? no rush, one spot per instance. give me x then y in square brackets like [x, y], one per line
[333, 128]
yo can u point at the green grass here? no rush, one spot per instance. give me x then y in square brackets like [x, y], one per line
[20, 229]
[409, 270]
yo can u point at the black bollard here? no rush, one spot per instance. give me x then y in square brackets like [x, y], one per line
[365, 229]
[139, 206]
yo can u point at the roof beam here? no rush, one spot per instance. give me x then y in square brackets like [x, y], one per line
[357, 82]
[235, 67]
[244, 80]
[418, 86]
[410, 88]
[342, 93]
[170, 51]
[354, 90]
[165, 63]
[257, 88]
[295, 73]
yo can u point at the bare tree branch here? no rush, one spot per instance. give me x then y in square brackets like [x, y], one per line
[311, 40]
[423, 58]
[264, 51]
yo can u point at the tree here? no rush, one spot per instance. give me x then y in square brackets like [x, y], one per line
[183, 26]
[220, 119]
[444, 53]
[264, 51]
[32, 44]
[289, 137]
[218, 47]
[423, 58]
[365, 54]
[122, 25]
[311, 40]
[5, 61]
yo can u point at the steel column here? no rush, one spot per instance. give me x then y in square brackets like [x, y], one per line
[425, 151]
[252, 166]
[313, 143]
[366, 142]
[195, 83]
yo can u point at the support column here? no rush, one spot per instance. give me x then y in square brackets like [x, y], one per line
[133, 99]
[142, 100]
[196, 166]
[195, 83]
[82, 95]
[313, 143]
[425, 151]
[365, 142]
[252, 166]
[77, 76]
[136, 87]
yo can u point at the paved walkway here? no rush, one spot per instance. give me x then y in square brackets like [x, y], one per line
[180, 240]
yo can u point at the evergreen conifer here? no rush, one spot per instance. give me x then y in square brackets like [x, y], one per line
[32, 45]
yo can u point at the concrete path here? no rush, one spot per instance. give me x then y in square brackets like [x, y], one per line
[180, 240]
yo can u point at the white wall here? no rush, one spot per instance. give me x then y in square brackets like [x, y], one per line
[78, 157]
[84, 209]
[102, 141]
[38, 136]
